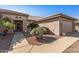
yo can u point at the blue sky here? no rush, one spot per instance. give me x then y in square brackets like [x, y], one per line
[44, 10]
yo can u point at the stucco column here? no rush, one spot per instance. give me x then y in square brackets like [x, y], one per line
[73, 26]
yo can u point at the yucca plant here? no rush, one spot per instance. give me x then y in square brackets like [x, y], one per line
[6, 25]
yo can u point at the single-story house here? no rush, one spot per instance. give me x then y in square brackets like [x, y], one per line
[19, 19]
[58, 23]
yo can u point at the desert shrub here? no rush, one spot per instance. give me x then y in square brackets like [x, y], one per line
[6, 25]
[39, 31]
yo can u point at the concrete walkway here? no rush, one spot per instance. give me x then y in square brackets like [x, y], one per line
[20, 45]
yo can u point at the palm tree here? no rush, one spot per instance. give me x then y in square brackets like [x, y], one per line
[6, 25]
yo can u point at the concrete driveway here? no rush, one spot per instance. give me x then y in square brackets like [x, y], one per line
[57, 46]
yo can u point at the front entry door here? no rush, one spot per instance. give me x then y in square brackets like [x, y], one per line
[19, 25]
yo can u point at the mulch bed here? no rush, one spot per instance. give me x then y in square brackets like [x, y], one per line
[33, 41]
[5, 42]
[47, 39]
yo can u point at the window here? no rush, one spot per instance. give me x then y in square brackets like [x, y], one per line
[18, 17]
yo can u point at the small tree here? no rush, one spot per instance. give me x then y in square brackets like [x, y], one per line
[6, 25]
[32, 25]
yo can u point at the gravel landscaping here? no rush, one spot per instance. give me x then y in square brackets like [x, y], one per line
[5, 42]
[46, 39]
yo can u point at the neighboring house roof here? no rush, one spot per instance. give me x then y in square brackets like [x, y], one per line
[33, 18]
[5, 11]
[56, 16]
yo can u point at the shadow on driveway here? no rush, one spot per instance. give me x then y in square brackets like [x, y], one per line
[73, 34]
[46, 39]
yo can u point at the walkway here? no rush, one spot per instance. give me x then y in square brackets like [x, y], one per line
[20, 45]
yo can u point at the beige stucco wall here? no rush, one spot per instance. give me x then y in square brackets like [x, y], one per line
[53, 26]
[13, 17]
[59, 25]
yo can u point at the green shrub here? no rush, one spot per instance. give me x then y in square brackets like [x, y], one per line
[36, 31]
[39, 31]
[45, 29]
[6, 25]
